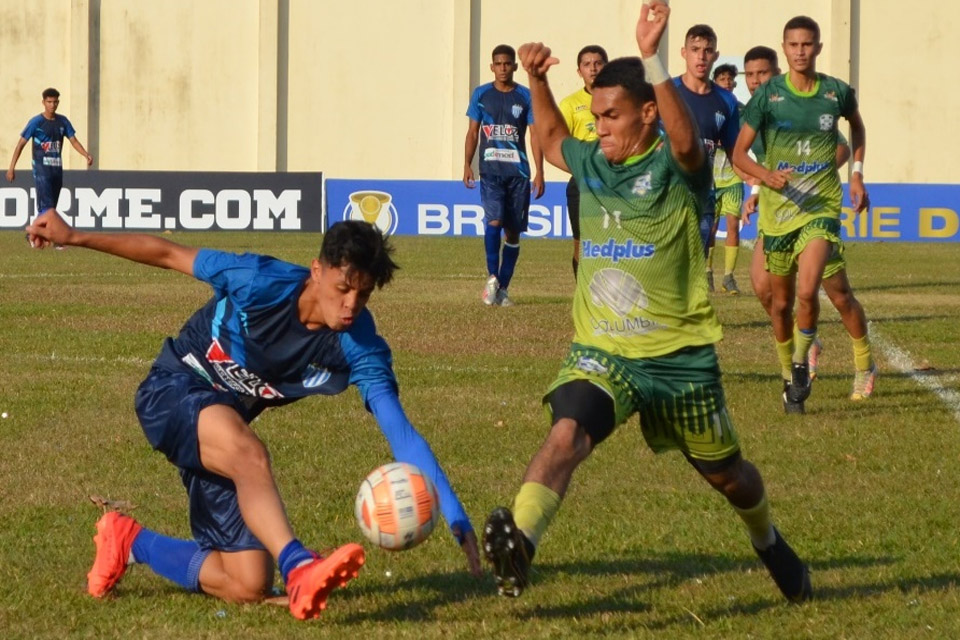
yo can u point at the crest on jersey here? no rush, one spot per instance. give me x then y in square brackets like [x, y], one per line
[831, 95]
[314, 376]
[776, 97]
[720, 119]
[826, 122]
[516, 110]
[642, 185]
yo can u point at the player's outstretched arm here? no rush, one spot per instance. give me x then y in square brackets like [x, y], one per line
[551, 128]
[50, 228]
[409, 446]
[12, 171]
[678, 122]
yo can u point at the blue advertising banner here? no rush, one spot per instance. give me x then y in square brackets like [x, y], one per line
[898, 212]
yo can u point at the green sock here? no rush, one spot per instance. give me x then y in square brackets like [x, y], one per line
[802, 341]
[534, 508]
[757, 519]
[785, 354]
[862, 356]
[730, 259]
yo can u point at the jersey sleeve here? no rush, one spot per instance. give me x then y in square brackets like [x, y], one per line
[574, 153]
[529, 100]
[754, 114]
[700, 180]
[847, 97]
[28, 130]
[369, 359]
[473, 109]
[68, 130]
[731, 126]
[248, 279]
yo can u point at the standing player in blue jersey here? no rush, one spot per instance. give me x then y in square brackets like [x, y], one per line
[48, 130]
[714, 110]
[273, 333]
[500, 111]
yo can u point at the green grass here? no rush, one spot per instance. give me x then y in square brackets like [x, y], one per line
[867, 493]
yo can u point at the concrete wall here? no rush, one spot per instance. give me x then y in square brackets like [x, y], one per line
[378, 88]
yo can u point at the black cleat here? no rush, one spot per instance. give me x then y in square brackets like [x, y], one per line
[508, 551]
[788, 571]
[800, 383]
[790, 407]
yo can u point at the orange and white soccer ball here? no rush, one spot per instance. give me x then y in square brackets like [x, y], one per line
[397, 506]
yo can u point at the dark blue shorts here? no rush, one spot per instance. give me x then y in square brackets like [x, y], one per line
[168, 405]
[48, 188]
[506, 200]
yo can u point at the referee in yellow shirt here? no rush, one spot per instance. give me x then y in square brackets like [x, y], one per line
[576, 112]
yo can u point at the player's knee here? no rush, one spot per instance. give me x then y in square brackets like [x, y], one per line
[780, 306]
[249, 456]
[568, 443]
[249, 590]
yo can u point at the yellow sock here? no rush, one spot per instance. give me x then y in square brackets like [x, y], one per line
[534, 508]
[785, 354]
[710, 259]
[757, 519]
[802, 341]
[862, 356]
[730, 259]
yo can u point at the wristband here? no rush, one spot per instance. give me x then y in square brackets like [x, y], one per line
[858, 167]
[755, 190]
[654, 71]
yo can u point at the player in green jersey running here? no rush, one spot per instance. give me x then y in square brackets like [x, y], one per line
[796, 116]
[729, 194]
[761, 64]
[645, 330]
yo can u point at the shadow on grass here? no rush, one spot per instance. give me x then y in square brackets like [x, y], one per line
[909, 286]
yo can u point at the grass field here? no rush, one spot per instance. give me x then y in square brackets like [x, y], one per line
[866, 493]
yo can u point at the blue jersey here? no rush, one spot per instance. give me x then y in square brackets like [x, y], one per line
[503, 117]
[248, 340]
[716, 115]
[48, 138]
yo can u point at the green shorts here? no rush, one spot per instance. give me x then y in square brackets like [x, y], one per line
[783, 251]
[678, 397]
[730, 200]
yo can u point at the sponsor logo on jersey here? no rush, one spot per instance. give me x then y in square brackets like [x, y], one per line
[635, 326]
[516, 110]
[826, 122]
[501, 155]
[314, 376]
[590, 365]
[804, 168]
[51, 146]
[375, 207]
[776, 98]
[237, 377]
[831, 95]
[617, 251]
[642, 185]
[783, 124]
[501, 132]
[52, 161]
[617, 290]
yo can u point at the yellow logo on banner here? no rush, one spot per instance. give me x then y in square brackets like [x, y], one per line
[374, 207]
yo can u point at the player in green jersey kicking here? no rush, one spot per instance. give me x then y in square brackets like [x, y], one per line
[761, 64]
[644, 328]
[796, 116]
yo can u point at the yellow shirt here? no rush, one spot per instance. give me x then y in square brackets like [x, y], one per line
[576, 113]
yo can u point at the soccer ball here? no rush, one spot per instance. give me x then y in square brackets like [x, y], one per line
[397, 506]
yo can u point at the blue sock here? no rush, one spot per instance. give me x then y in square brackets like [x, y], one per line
[174, 559]
[510, 254]
[292, 555]
[491, 242]
[807, 332]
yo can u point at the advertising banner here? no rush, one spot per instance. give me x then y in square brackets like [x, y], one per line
[178, 201]
[898, 212]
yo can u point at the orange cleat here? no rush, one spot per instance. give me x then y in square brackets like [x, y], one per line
[310, 584]
[114, 539]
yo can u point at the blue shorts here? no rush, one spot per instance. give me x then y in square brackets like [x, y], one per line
[506, 200]
[48, 186]
[168, 405]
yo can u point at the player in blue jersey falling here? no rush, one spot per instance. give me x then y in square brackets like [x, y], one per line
[273, 333]
[48, 130]
[499, 115]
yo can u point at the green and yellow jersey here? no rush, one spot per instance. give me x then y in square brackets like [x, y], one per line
[723, 173]
[799, 132]
[641, 290]
[575, 109]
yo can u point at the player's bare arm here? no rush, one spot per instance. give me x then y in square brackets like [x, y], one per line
[470, 148]
[678, 122]
[539, 186]
[12, 171]
[742, 160]
[50, 228]
[859, 198]
[79, 147]
[536, 59]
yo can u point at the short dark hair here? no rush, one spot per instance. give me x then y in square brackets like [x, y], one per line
[724, 69]
[802, 22]
[593, 48]
[762, 53]
[626, 73]
[50, 93]
[703, 31]
[504, 50]
[359, 245]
